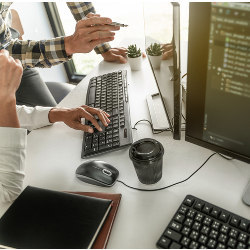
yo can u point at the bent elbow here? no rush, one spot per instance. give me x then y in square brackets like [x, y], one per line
[9, 194]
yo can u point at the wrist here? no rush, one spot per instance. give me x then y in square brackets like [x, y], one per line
[7, 101]
[67, 44]
[8, 115]
[56, 115]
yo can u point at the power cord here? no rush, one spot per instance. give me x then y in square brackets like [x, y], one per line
[226, 157]
[151, 125]
[179, 182]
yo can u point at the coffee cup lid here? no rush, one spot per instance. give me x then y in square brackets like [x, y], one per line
[146, 149]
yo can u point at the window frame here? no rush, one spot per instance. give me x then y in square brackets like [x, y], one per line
[58, 30]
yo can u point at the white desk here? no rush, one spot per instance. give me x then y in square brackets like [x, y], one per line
[54, 153]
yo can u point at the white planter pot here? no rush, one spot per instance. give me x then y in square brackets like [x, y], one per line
[135, 63]
[155, 61]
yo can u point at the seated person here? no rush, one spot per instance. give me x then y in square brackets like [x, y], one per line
[33, 91]
[14, 120]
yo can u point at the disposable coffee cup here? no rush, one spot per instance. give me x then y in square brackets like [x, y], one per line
[147, 157]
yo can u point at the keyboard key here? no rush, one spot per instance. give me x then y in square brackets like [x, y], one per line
[213, 234]
[199, 217]
[215, 212]
[196, 226]
[183, 210]
[216, 225]
[235, 221]
[105, 147]
[185, 231]
[185, 242]
[221, 246]
[179, 218]
[164, 242]
[191, 213]
[207, 209]
[172, 235]
[242, 237]
[224, 229]
[116, 144]
[207, 221]
[194, 245]
[175, 226]
[244, 225]
[205, 230]
[91, 150]
[211, 243]
[233, 233]
[223, 238]
[203, 240]
[188, 222]
[199, 205]
[224, 216]
[189, 201]
[175, 245]
[240, 245]
[194, 235]
[231, 243]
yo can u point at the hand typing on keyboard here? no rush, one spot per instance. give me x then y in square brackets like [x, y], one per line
[72, 117]
[108, 92]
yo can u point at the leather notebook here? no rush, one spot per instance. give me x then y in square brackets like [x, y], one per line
[103, 236]
[41, 218]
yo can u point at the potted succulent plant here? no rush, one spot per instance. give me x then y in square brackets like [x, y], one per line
[134, 57]
[154, 52]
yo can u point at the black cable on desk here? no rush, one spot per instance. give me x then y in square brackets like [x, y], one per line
[151, 125]
[179, 182]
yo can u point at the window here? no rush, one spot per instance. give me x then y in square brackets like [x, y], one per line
[131, 13]
[63, 23]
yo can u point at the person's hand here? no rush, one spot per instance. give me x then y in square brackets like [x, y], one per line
[72, 117]
[167, 51]
[115, 55]
[89, 33]
[10, 75]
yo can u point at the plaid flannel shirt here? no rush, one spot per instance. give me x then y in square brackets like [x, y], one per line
[43, 53]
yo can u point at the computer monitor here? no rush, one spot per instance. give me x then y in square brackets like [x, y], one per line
[218, 78]
[164, 28]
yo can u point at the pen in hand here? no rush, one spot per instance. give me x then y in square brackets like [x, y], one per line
[118, 24]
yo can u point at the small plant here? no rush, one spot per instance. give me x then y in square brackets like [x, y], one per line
[155, 49]
[133, 52]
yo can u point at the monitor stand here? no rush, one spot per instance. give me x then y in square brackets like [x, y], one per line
[157, 113]
[246, 195]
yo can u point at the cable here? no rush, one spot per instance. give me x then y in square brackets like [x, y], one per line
[151, 125]
[225, 157]
[179, 182]
[184, 75]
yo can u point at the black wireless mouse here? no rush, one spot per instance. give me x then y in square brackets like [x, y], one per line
[98, 173]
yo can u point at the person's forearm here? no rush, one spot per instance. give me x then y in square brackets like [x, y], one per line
[47, 53]
[33, 117]
[8, 115]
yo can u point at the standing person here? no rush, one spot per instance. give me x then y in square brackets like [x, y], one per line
[33, 91]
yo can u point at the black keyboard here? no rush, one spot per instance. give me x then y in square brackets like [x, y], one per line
[108, 92]
[200, 224]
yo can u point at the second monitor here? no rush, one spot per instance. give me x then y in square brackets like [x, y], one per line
[165, 107]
